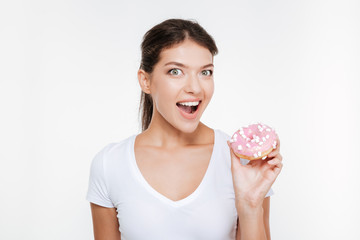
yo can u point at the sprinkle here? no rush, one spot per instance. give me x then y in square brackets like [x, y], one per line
[268, 130]
[267, 136]
[264, 158]
[255, 155]
[248, 145]
[257, 140]
[240, 147]
[259, 153]
[232, 140]
[264, 139]
[252, 140]
[248, 139]
[261, 143]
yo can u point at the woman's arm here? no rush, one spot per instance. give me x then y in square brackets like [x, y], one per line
[251, 183]
[106, 226]
[255, 222]
[266, 207]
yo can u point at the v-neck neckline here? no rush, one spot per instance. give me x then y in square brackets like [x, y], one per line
[158, 195]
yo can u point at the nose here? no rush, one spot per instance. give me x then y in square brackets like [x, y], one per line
[193, 84]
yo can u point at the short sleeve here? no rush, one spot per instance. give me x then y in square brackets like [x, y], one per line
[97, 189]
[270, 193]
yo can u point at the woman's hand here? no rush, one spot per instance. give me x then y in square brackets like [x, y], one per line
[252, 181]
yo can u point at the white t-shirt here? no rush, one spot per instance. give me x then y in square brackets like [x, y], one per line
[143, 213]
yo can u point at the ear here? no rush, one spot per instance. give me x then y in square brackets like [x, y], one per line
[144, 81]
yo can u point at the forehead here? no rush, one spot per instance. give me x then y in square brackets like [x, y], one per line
[187, 52]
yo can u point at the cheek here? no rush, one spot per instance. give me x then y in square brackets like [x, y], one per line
[163, 84]
[164, 92]
[209, 89]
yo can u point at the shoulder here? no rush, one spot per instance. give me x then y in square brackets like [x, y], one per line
[222, 136]
[221, 144]
[113, 149]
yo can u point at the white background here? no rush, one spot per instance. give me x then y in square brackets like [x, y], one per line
[68, 87]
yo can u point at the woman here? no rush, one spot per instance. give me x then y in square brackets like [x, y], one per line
[178, 178]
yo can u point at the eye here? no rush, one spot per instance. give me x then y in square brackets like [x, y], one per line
[175, 71]
[207, 72]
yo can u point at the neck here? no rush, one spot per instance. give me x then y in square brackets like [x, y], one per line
[163, 134]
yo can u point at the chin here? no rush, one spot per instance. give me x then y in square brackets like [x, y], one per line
[188, 127]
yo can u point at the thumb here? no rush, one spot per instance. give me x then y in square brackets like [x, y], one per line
[235, 160]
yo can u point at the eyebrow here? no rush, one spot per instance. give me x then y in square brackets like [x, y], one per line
[184, 66]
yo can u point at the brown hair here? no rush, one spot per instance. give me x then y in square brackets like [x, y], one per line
[162, 36]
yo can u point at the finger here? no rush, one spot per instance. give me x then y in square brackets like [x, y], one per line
[278, 156]
[231, 150]
[256, 162]
[275, 151]
[277, 141]
[233, 156]
[274, 161]
[278, 168]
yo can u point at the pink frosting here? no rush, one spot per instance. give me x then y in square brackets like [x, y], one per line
[253, 140]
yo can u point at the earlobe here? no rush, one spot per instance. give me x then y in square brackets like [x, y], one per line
[144, 81]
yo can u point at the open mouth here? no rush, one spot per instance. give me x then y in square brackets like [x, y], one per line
[188, 108]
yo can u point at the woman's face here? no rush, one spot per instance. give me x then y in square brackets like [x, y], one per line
[182, 75]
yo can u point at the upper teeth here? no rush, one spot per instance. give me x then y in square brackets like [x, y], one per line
[190, 103]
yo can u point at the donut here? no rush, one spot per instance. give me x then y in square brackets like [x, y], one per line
[254, 141]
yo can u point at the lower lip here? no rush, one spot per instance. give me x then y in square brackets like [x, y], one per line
[189, 115]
